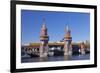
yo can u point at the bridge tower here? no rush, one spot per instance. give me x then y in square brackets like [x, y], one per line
[67, 41]
[44, 38]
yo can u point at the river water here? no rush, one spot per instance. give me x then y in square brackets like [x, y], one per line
[28, 59]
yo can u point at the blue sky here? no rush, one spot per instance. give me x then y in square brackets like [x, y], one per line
[31, 22]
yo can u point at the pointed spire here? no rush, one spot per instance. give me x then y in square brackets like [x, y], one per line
[44, 24]
[43, 29]
[67, 28]
[67, 31]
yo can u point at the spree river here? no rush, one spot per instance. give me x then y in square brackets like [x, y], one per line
[28, 59]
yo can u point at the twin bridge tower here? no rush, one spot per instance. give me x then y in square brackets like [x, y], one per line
[44, 39]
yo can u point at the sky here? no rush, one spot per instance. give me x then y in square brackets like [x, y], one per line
[56, 22]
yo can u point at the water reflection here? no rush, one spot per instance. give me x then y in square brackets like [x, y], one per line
[43, 59]
[65, 57]
[27, 59]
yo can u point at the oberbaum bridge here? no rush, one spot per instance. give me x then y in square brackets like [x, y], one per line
[45, 48]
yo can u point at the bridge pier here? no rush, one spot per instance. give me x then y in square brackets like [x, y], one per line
[43, 50]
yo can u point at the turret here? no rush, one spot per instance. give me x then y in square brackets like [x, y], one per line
[82, 48]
